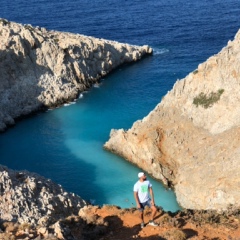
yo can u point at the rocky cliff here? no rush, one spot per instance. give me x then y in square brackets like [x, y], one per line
[42, 69]
[30, 198]
[191, 140]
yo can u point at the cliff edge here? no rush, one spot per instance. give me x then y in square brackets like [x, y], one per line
[191, 139]
[33, 207]
[43, 69]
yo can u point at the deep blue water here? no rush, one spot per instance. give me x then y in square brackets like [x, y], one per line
[66, 144]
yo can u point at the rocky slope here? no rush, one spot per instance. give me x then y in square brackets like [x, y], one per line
[42, 69]
[33, 207]
[111, 222]
[191, 140]
[30, 198]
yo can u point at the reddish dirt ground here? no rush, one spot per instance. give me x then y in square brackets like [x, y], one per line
[113, 223]
[125, 224]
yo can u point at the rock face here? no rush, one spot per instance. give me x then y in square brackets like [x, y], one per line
[191, 140]
[30, 198]
[40, 68]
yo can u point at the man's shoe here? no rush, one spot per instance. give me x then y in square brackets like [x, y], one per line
[152, 223]
[142, 225]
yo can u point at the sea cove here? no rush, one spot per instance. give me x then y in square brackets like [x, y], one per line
[65, 144]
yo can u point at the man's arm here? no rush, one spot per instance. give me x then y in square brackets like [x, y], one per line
[152, 195]
[137, 199]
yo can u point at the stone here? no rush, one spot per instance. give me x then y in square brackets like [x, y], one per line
[42, 230]
[58, 231]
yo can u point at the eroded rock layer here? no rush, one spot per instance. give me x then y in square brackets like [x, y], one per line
[41, 68]
[192, 138]
[30, 198]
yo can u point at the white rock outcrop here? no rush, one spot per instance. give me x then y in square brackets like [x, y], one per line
[42, 69]
[30, 198]
[191, 140]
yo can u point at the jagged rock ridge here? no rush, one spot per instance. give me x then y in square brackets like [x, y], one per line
[41, 68]
[191, 139]
[30, 198]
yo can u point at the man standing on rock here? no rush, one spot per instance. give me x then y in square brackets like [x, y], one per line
[141, 190]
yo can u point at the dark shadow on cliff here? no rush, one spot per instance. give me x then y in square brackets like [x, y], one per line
[16, 67]
[33, 149]
[32, 140]
[19, 84]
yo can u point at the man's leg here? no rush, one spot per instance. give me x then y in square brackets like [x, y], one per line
[154, 210]
[141, 215]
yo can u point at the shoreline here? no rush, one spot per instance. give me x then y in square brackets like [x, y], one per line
[50, 68]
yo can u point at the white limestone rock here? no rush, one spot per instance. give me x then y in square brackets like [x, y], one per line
[30, 198]
[43, 69]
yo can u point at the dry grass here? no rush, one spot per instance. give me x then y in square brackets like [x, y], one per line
[175, 234]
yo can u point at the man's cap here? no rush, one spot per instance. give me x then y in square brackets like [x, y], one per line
[141, 174]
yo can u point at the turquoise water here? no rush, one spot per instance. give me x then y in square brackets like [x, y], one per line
[66, 144]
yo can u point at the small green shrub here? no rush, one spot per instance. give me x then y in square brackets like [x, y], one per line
[207, 101]
[56, 40]
[195, 71]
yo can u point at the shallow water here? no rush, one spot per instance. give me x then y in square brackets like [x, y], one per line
[66, 144]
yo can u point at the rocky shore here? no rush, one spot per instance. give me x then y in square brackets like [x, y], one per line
[188, 141]
[42, 69]
[33, 207]
[30, 198]
[191, 139]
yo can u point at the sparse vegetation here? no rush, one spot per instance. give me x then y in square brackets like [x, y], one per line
[29, 27]
[165, 219]
[207, 101]
[4, 21]
[56, 40]
[24, 226]
[195, 71]
[175, 234]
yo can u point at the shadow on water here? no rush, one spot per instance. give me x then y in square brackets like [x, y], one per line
[37, 144]
[65, 144]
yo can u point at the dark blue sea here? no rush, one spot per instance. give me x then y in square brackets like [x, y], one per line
[65, 144]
